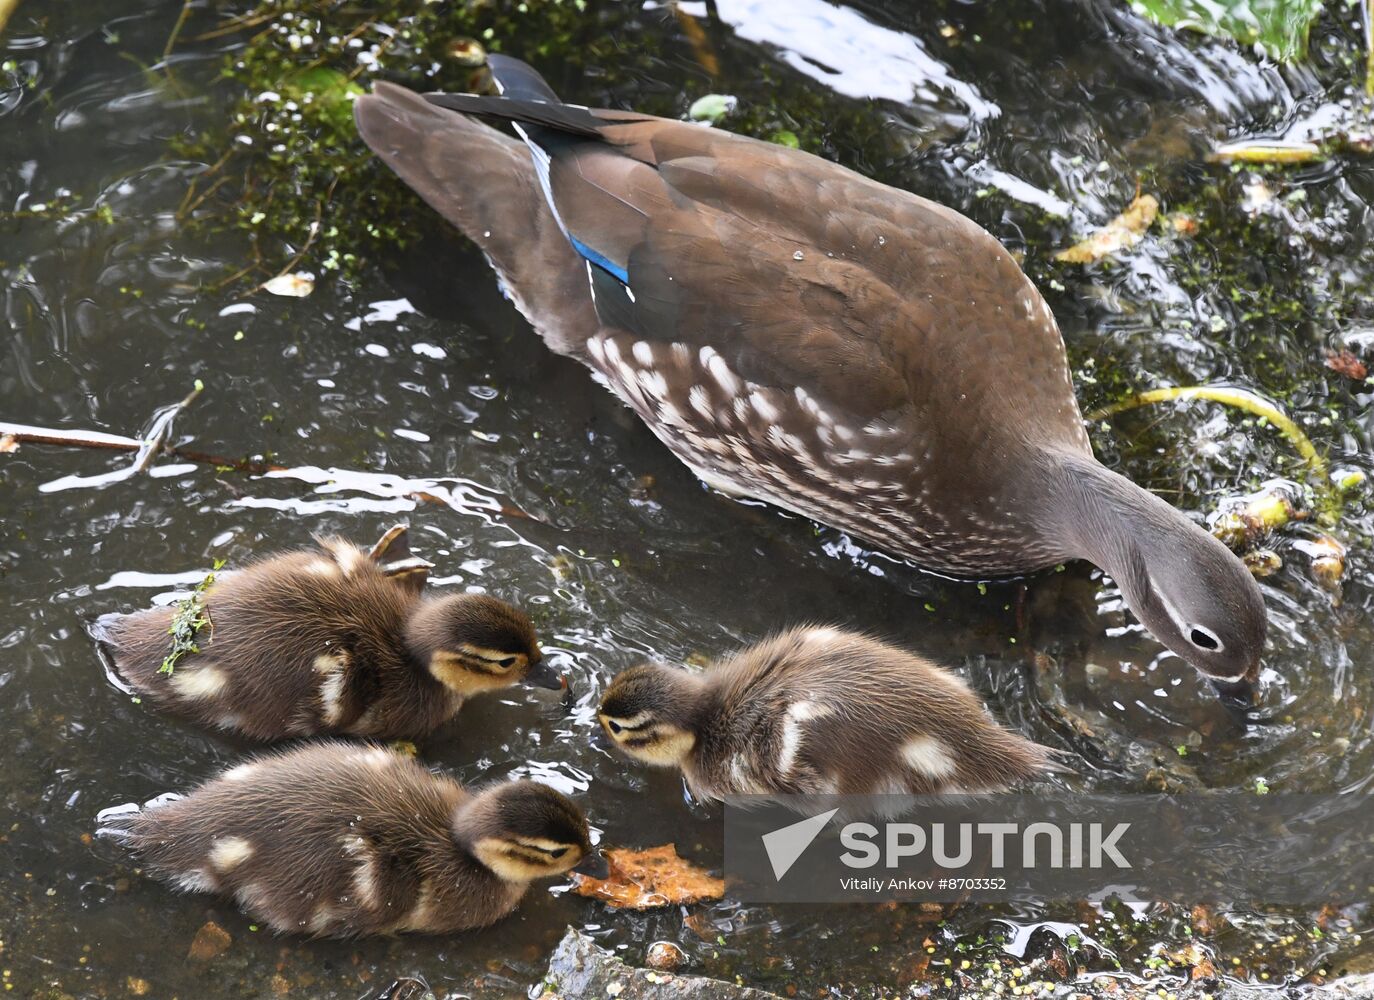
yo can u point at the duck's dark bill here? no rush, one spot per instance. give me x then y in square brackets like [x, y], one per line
[544, 675]
[594, 865]
[1235, 694]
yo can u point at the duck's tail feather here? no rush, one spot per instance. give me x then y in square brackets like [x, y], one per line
[484, 182]
[517, 78]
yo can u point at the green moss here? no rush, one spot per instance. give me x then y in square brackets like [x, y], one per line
[288, 171]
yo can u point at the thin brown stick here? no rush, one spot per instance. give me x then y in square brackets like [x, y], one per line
[26, 434]
[184, 214]
[210, 171]
[310, 237]
[161, 429]
[176, 30]
[236, 24]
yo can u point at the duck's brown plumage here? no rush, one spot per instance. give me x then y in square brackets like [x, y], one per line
[797, 332]
[340, 840]
[320, 642]
[822, 711]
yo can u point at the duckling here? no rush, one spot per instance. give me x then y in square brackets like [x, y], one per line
[817, 711]
[338, 840]
[328, 641]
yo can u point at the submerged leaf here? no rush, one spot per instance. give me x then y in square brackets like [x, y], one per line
[642, 880]
[1120, 233]
[1278, 25]
[296, 286]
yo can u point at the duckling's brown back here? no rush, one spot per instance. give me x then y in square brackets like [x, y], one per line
[296, 644]
[331, 839]
[822, 710]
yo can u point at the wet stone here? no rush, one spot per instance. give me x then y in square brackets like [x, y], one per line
[581, 969]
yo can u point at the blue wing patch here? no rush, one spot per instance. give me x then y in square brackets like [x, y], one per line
[540, 157]
[600, 260]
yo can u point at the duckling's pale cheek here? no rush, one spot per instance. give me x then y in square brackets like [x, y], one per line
[451, 671]
[663, 750]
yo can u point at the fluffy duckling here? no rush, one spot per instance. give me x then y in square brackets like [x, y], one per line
[338, 840]
[817, 711]
[329, 641]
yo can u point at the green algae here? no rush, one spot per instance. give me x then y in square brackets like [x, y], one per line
[192, 616]
[289, 173]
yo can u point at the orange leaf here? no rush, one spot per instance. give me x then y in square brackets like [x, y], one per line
[1345, 363]
[642, 880]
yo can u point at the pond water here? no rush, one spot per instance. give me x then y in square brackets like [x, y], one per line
[1038, 118]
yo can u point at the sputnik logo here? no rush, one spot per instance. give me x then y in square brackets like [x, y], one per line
[786, 845]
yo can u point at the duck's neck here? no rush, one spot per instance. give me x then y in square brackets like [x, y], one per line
[1097, 515]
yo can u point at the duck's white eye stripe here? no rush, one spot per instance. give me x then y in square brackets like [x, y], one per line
[635, 721]
[1199, 635]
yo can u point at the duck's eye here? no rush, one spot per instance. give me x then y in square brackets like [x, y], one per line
[505, 662]
[558, 853]
[1203, 638]
[615, 726]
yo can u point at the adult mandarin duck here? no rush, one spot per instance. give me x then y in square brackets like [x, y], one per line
[796, 332]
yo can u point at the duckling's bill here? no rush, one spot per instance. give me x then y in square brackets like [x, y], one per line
[544, 674]
[593, 865]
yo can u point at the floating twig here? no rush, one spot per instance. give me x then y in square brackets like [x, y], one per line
[460, 495]
[147, 448]
[161, 427]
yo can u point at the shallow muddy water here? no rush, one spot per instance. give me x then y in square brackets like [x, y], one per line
[1036, 117]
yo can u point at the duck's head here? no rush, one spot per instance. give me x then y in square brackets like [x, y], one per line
[522, 830]
[650, 712]
[1188, 589]
[472, 643]
[1198, 599]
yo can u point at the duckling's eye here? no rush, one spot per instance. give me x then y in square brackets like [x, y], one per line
[615, 726]
[558, 853]
[505, 662]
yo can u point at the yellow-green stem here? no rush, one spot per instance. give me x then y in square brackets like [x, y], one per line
[1244, 399]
